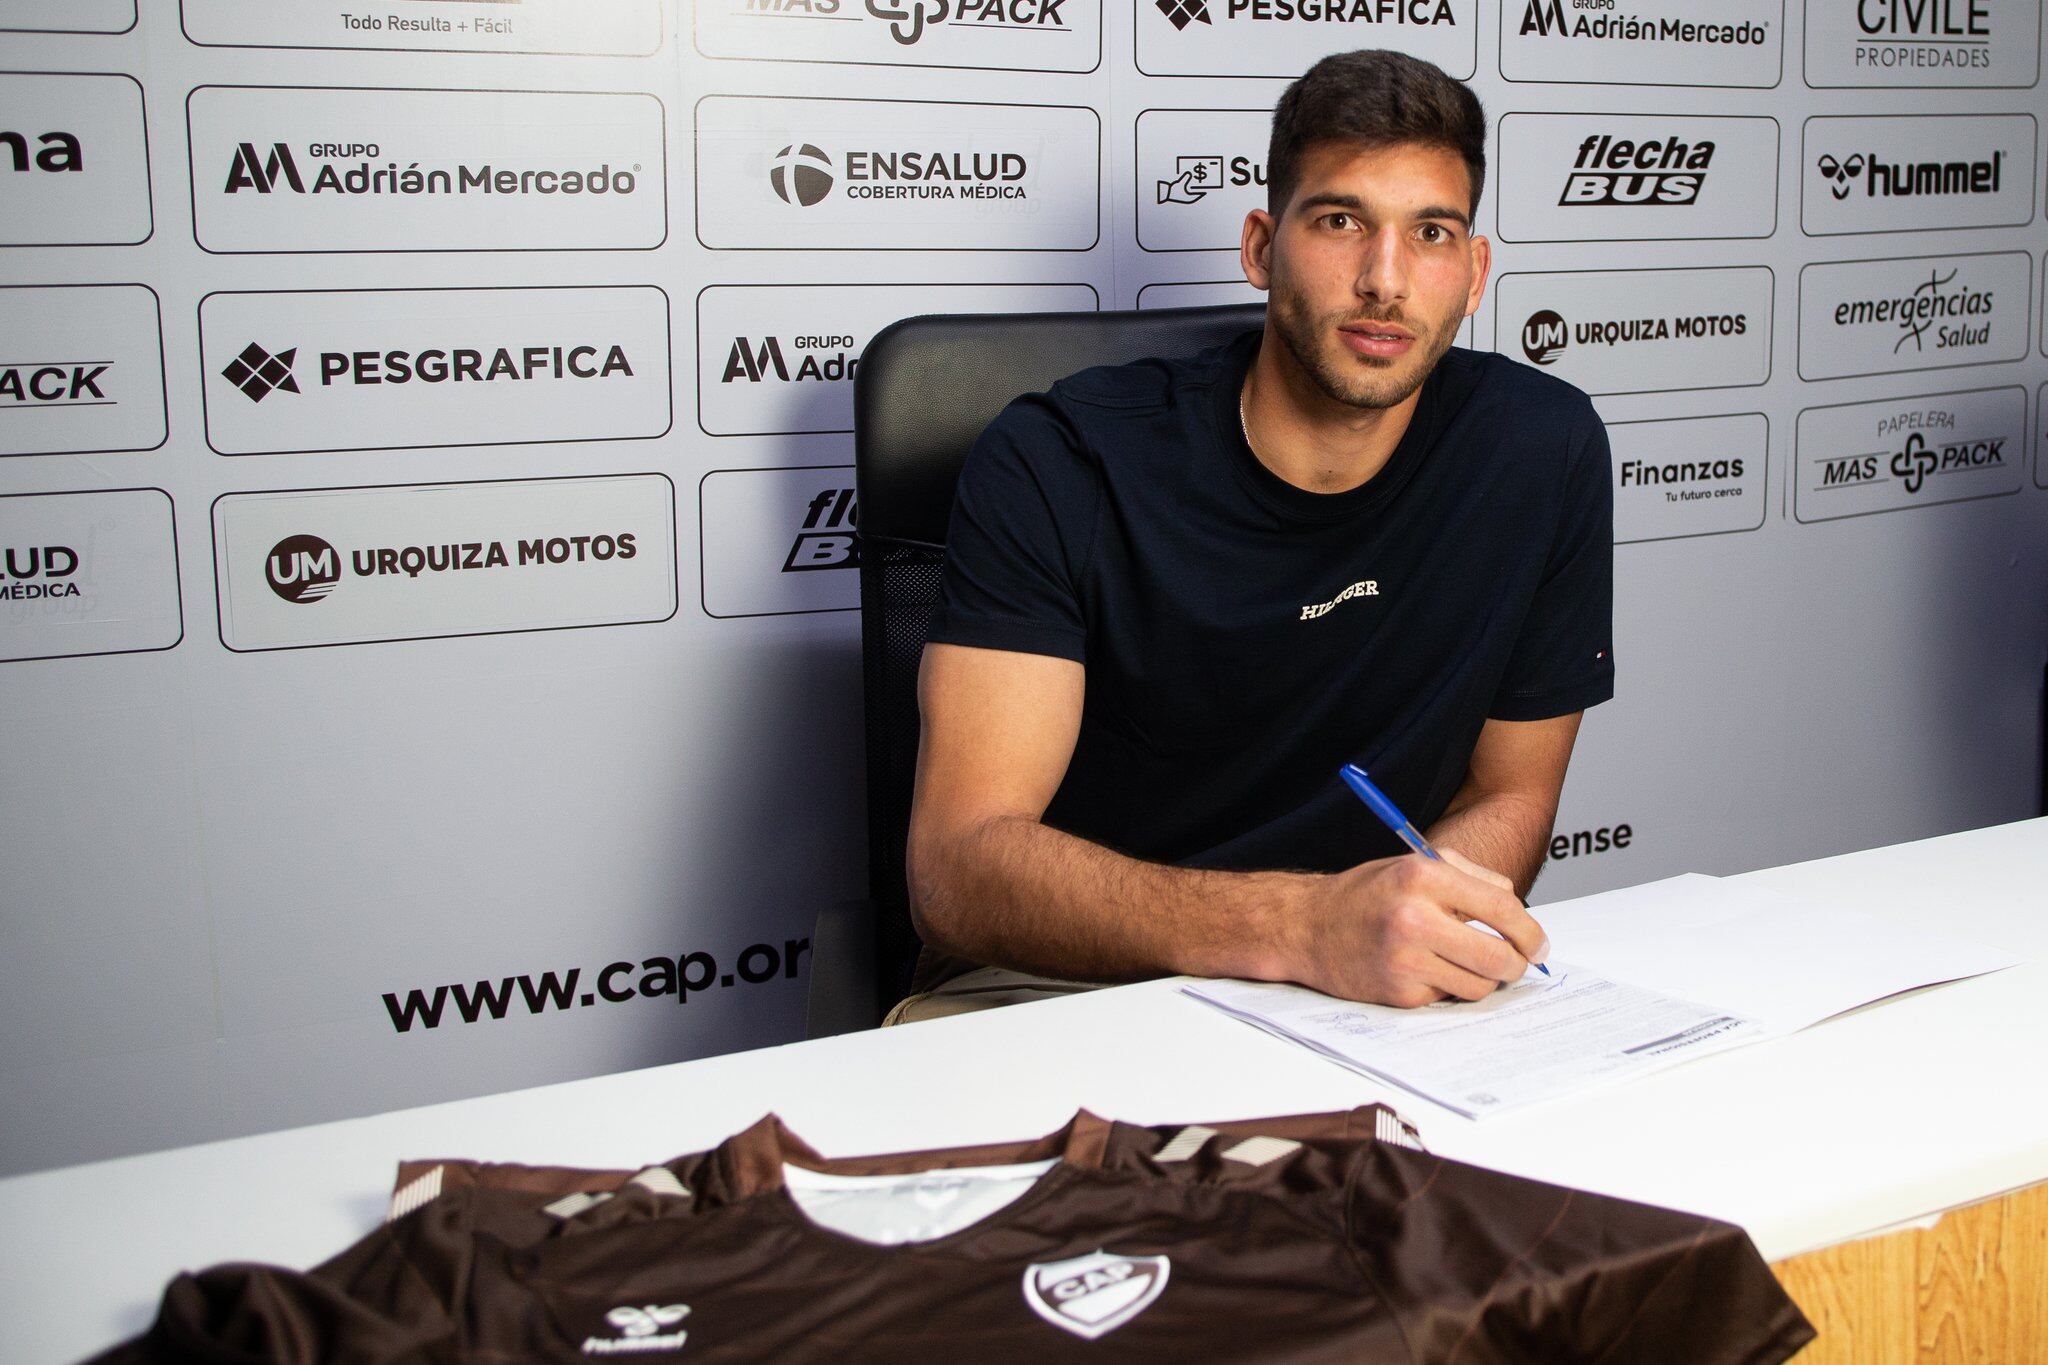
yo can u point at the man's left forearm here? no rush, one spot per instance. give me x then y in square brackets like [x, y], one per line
[1506, 831]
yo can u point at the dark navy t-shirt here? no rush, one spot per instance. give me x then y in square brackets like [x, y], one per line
[1243, 638]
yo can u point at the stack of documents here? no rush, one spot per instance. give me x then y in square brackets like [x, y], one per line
[1644, 979]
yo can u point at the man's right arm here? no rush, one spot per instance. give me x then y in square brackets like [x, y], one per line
[990, 882]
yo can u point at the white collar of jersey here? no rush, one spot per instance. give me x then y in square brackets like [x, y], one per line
[920, 1206]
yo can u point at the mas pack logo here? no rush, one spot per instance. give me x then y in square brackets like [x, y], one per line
[1906, 453]
[1093, 1295]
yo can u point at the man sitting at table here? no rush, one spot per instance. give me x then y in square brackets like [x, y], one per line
[1179, 594]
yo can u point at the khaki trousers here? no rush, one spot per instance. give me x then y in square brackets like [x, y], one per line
[984, 988]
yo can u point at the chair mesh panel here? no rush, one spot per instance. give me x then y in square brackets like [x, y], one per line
[899, 585]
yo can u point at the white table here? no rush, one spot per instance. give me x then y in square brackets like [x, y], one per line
[1886, 1115]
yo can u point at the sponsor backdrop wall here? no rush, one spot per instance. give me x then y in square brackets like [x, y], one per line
[427, 628]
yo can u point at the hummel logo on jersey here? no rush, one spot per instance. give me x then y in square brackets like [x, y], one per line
[1181, 13]
[1093, 1295]
[258, 373]
[1365, 588]
[640, 1330]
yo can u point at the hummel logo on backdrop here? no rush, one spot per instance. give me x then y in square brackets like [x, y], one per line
[1181, 13]
[1841, 174]
[257, 373]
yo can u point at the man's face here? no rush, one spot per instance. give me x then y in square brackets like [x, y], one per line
[1371, 267]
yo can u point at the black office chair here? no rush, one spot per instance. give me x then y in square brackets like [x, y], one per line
[925, 388]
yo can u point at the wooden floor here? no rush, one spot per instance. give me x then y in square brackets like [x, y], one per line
[1972, 1288]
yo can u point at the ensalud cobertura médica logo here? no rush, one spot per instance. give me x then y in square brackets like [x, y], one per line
[803, 174]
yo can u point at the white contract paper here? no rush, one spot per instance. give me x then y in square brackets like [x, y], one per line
[1649, 977]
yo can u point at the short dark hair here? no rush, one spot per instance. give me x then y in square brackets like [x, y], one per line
[1373, 98]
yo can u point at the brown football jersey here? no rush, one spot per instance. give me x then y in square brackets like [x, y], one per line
[1306, 1239]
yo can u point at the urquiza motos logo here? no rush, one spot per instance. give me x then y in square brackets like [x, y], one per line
[1546, 334]
[36, 572]
[305, 569]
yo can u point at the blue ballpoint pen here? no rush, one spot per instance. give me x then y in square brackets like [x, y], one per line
[1390, 816]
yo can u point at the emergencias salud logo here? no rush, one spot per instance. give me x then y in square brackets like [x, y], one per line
[348, 169]
[1919, 312]
[803, 174]
[1610, 170]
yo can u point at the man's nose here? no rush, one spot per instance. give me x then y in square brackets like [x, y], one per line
[1383, 271]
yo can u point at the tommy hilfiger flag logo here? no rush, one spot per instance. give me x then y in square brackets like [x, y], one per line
[258, 373]
[1181, 13]
[1095, 1294]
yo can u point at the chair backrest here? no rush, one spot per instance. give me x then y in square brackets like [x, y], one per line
[925, 388]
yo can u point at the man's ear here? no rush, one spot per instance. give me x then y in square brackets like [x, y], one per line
[1482, 267]
[1255, 248]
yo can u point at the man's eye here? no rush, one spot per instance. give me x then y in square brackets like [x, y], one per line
[1338, 220]
[1432, 232]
